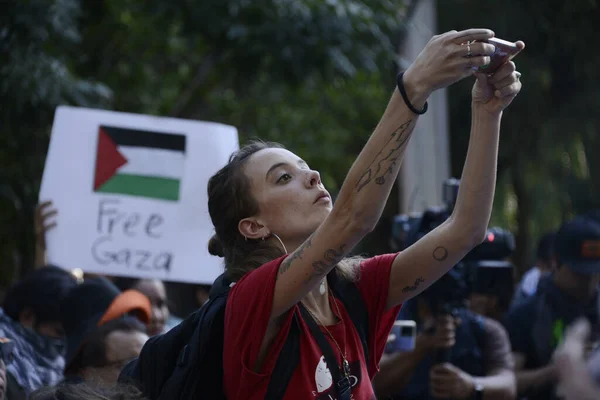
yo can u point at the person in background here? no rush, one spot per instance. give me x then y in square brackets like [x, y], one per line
[3, 380]
[578, 379]
[491, 288]
[92, 304]
[9, 388]
[162, 319]
[477, 364]
[490, 273]
[537, 325]
[31, 319]
[544, 265]
[107, 350]
[44, 220]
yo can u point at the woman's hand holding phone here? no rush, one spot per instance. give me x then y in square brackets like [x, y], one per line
[498, 83]
[503, 53]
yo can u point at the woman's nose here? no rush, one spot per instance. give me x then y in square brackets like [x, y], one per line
[313, 178]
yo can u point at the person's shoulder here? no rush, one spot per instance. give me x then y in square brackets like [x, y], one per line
[521, 314]
[498, 344]
[258, 273]
[531, 273]
[527, 305]
[530, 280]
[492, 326]
[256, 283]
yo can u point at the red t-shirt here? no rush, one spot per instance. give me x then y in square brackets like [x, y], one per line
[246, 318]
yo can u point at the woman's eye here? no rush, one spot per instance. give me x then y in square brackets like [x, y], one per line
[284, 178]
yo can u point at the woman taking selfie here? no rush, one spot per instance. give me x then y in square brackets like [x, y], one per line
[281, 235]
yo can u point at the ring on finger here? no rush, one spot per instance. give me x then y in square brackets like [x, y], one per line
[469, 54]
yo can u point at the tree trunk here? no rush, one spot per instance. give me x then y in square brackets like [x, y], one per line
[522, 236]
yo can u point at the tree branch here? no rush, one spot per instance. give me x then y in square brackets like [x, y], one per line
[201, 75]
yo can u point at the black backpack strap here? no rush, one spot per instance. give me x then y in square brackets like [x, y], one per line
[289, 357]
[286, 364]
[342, 383]
[220, 286]
[347, 292]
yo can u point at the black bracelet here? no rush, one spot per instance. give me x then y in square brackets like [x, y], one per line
[405, 97]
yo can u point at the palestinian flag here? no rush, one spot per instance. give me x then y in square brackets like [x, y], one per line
[139, 163]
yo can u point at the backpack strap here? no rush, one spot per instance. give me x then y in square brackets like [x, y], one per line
[289, 357]
[286, 364]
[347, 292]
[343, 386]
[220, 286]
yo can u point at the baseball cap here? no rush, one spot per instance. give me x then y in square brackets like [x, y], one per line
[92, 304]
[577, 245]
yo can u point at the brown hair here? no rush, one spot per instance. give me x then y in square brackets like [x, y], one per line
[229, 201]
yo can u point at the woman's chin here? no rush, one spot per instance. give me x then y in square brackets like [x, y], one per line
[319, 216]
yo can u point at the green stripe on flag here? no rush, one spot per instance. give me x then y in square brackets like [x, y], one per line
[145, 186]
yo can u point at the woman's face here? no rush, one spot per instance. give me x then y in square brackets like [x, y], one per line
[292, 199]
[155, 291]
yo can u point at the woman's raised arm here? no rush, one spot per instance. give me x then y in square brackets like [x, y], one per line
[432, 256]
[367, 186]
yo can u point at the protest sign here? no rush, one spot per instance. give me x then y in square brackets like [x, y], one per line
[130, 191]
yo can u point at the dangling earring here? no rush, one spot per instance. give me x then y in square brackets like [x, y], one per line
[280, 241]
[322, 287]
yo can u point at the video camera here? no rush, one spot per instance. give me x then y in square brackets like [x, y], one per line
[489, 271]
[450, 293]
[407, 229]
[477, 271]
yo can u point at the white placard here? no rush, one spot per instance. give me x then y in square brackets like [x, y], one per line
[130, 191]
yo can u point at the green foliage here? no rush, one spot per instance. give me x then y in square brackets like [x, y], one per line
[306, 73]
[547, 160]
[37, 44]
[327, 122]
[312, 74]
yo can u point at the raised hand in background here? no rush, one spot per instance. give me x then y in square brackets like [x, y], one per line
[44, 220]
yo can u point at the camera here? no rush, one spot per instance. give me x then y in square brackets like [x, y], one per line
[407, 229]
[489, 269]
[485, 269]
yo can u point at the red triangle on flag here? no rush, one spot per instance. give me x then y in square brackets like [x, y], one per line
[108, 159]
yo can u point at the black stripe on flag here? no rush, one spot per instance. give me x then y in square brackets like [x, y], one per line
[142, 138]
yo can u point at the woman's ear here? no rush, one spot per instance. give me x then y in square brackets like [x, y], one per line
[252, 229]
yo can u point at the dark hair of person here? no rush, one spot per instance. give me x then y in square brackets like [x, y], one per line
[87, 391]
[545, 250]
[229, 201]
[93, 352]
[43, 290]
[126, 283]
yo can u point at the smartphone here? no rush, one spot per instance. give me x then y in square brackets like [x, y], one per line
[403, 337]
[505, 51]
[6, 349]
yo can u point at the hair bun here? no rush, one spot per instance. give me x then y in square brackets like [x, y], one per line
[215, 247]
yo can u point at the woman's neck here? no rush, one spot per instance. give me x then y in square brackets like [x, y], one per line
[318, 304]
